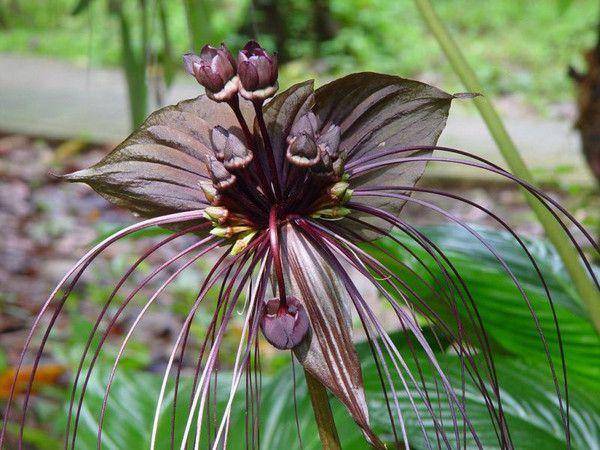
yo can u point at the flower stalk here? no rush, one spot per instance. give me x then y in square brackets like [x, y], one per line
[323, 415]
[582, 283]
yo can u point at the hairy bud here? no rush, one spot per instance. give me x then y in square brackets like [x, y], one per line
[257, 72]
[215, 70]
[284, 326]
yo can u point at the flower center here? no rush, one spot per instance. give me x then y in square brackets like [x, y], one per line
[253, 189]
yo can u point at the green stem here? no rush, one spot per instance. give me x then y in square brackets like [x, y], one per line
[135, 72]
[581, 281]
[325, 423]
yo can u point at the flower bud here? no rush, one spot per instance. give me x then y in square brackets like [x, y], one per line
[242, 243]
[303, 151]
[227, 232]
[218, 140]
[229, 149]
[284, 326]
[335, 213]
[216, 214]
[214, 69]
[210, 193]
[340, 192]
[324, 167]
[307, 123]
[257, 71]
[329, 141]
[221, 177]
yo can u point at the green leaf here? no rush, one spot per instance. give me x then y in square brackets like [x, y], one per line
[529, 402]
[504, 311]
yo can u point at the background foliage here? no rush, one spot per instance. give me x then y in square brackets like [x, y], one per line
[522, 46]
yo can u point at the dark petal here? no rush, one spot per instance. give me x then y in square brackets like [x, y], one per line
[327, 352]
[281, 113]
[225, 51]
[158, 168]
[209, 78]
[379, 112]
[208, 52]
[264, 71]
[251, 46]
[189, 59]
[248, 75]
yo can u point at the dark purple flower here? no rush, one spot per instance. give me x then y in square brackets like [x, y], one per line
[214, 69]
[257, 72]
[284, 326]
[290, 195]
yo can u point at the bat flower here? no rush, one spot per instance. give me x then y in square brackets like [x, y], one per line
[289, 194]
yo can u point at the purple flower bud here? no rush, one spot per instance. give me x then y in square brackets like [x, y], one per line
[220, 176]
[324, 167]
[303, 151]
[329, 141]
[257, 72]
[214, 69]
[284, 326]
[218, 139]
[306, 123]
[229, 149]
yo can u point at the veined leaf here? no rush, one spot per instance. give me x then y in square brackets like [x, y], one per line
[529, 402]
[504, 312]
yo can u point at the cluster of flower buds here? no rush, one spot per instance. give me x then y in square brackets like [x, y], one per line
[230, 225]
[254, 75]
[230, 157]
[306, 147]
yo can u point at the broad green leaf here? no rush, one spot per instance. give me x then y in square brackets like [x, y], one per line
[504, 311]
[529, 402]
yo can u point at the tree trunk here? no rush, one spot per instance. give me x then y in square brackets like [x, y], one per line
[323, 24]
[588, 102]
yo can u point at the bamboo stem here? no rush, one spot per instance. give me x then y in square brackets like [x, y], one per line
[581, 281]
[323, 415]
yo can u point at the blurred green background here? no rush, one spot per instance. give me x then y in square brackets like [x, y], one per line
[516, 47]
